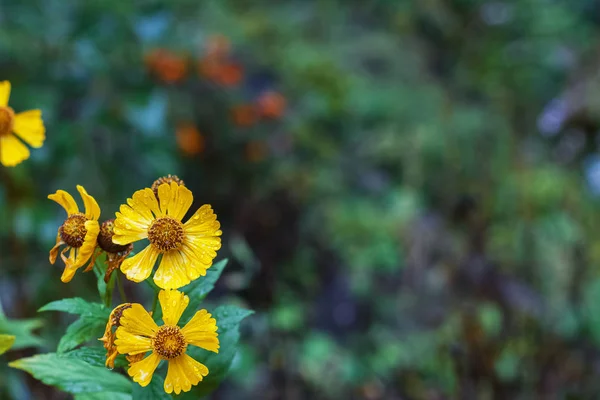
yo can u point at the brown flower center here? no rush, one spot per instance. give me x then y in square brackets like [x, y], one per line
[169, 342]
[105, 238]
[166, 179]
[73, 230]
[166, 233]
[118, 313]
[7, 120]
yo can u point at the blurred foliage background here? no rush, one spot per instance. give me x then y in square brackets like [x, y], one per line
[408, 189]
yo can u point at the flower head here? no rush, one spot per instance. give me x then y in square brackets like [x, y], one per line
[115, 253]
[114, 320]
[187, 248]
[139, 334]
[78, 232]
[27, 126]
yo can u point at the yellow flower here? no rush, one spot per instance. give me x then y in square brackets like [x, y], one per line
[27, 126]
[139, 334]
[187, 249]
[109, 336]
[78, 232]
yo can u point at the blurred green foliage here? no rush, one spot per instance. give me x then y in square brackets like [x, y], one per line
[419, 223]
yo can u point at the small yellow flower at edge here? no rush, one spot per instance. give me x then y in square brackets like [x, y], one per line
[187, 249]
[79, 231]
[27, 126]
[139, 334]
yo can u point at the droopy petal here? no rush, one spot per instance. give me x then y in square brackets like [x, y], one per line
[171, 273]
[201, 331]
[137, 321]
[92, 210]
[30, 127]
[142, 371]
[89, 243]
[139, 267]
[54, 250]
[203, 223]
[175, 200]
[12, 151]
[66, 201]
[173, 304]
[69, 270]
[184, 372]
[135, 217]
[4, 93]
[128, 343]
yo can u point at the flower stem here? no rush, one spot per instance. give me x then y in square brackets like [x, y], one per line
[154, 303]
[121, 289]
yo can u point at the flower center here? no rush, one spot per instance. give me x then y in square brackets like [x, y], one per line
[105, 238]
[169, 342]
[165, 179]
[166, 233]
[7, 120]
[73, 230]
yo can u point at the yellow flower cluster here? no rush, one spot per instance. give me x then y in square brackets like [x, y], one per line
[186, 250]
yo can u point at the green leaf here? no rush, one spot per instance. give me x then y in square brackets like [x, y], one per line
[104, 396]
[72, 375]
[89, 326]
[75, 305]
[95, 356]
[6, 342]
[228, 320]
[154, 391]
[21, 330]
[80, 331]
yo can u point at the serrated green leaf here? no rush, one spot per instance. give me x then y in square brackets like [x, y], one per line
[228, 320]
[72, 375]
[154, 391]
[80, 331]
[104, 396]
[95, 356]
[6, 342]
[78, 306]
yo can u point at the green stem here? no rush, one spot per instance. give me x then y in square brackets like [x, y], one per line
[154, 303]
[121, 289]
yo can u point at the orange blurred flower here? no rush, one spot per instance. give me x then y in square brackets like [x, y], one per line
[271, 104]
[166, 65]
[256, 151]
[244, 115]
[189, 139]
[217, 64]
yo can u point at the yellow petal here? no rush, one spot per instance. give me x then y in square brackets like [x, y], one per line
[175, 200]
[30, 127]
[201, 331]
[173, 304]
[139, 267]
[128, 343]
[12, 151]
[203, 223]
[69, 270]
[135, 217]
[89, 243]
[137, 321]
[92, 210]
[4, 93]
[54, 250]
[200, 251]
[142, 371]
[183, 373]
[66, 201]
[171, 273]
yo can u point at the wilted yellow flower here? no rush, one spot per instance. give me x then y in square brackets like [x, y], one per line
[114, 320]
[27, 126]
[115, 253]
[78, 232]
[139, 334]
[187, 249]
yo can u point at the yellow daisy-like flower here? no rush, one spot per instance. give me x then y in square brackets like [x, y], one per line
[27, 126]
[187, 249]
[79, 231]
[139, 334]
